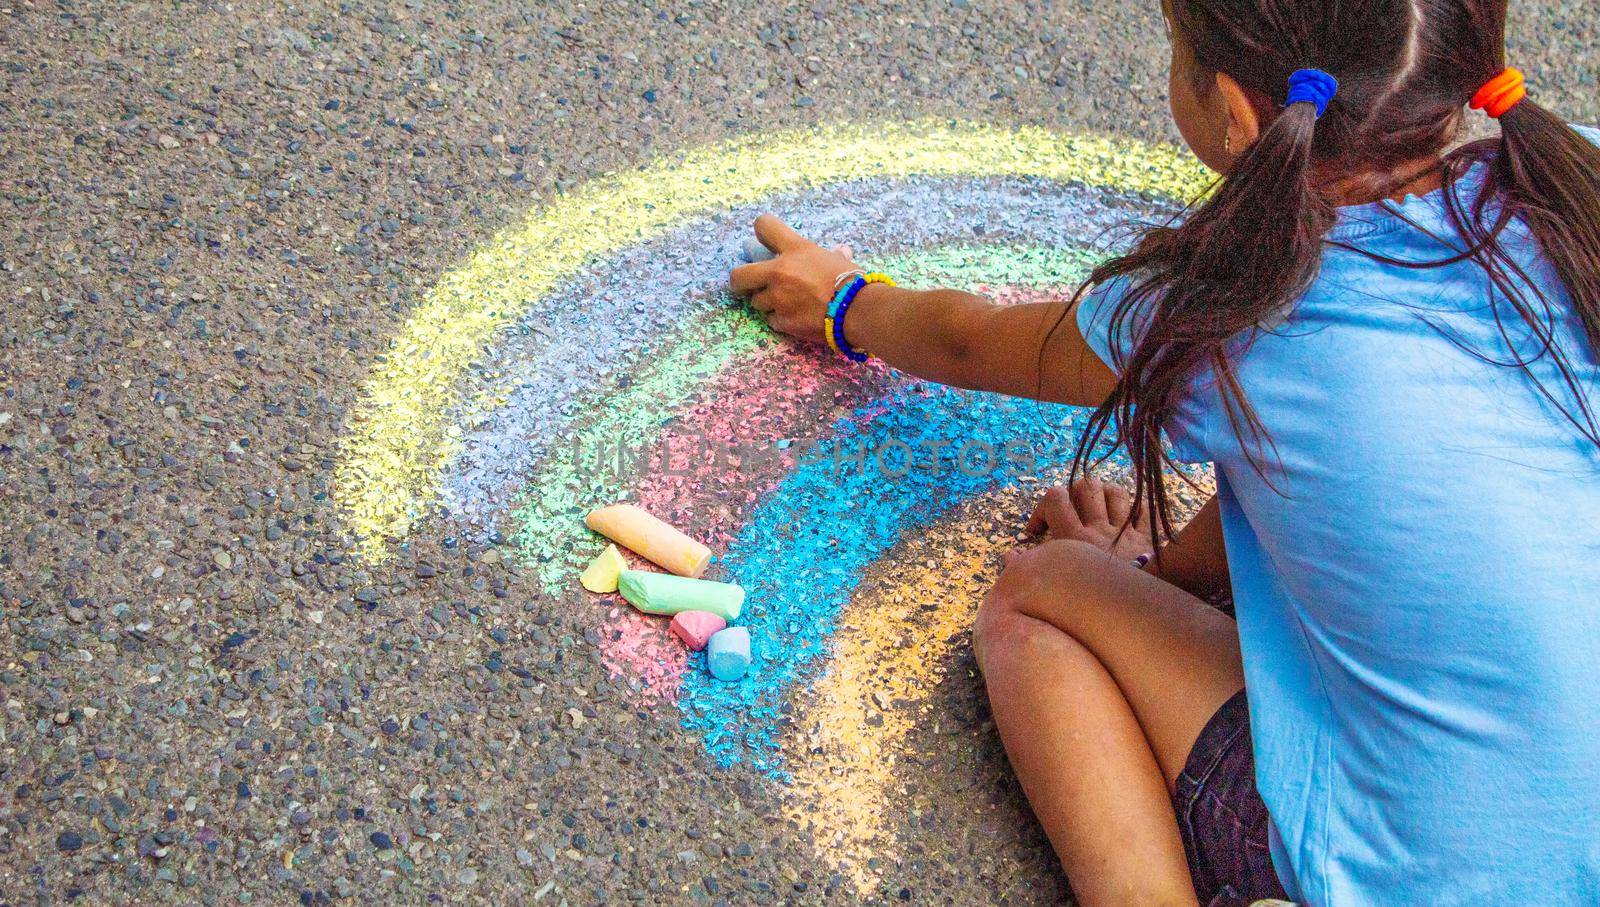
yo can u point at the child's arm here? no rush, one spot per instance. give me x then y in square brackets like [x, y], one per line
[1028, 350]
[943, 335]
[1196, 560]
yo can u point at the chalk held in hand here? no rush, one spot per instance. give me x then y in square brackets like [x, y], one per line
[728, 653]
[665, 594]
[754, 251]
[652, 539]
[603, 573]
[696, 628]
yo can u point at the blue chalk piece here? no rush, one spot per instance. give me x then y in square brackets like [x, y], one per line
[754, 251]
[728, 653]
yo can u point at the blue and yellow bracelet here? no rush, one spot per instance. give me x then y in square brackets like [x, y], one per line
[833, 321]
[840, 284]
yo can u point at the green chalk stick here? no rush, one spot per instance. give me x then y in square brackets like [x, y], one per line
[663, 593]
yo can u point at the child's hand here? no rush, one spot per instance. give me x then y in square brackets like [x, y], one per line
[1091, 511]
[792, 290]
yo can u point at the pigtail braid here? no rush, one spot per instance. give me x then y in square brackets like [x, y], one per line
[1551, 178]
[1253, 246]
[1545, 174]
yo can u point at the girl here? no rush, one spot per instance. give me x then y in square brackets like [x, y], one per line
[1388, 349]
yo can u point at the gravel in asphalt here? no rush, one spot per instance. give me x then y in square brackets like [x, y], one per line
[213, 218]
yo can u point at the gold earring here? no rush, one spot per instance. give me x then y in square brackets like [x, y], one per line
[1227, 142]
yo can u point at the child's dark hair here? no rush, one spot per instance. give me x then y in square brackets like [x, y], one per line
[1406, 70]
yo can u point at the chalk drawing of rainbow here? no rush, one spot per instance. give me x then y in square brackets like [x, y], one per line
[844, 498]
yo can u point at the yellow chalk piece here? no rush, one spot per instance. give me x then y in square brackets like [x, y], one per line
[651, 539]
[601, 576]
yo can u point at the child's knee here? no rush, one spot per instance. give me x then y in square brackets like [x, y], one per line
[1055, 571]
[1063, 567]
[1001, 634]
[1003, 638]
[1004, 630]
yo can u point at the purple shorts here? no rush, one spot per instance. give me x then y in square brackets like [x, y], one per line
[1221, 816]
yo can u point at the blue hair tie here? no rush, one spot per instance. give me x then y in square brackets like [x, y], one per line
[1312, 85]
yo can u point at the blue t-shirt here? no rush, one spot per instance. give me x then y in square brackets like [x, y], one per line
[1419, 610]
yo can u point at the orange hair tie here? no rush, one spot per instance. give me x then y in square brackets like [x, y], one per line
[1500, 93]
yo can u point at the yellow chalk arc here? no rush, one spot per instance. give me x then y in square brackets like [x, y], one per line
[893, 646]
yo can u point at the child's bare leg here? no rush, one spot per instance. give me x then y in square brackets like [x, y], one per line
[1086, 768]
[1101, 678]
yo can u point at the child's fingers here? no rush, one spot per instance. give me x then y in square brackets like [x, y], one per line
[1039, 520]
[1141, 517]
[1090, 500]
[1118, 504]
[749, 278]
[1036, 520]
[762, 302]
[1054, 514]
[777, 235]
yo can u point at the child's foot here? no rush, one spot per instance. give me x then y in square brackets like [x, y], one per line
[1092, 511]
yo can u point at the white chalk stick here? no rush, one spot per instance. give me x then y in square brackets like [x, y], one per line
[651, 539]
[754, 251]
[728, 653]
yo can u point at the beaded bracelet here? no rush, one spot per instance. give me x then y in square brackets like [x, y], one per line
[828, 333]
[839, 285]
[833, 321]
